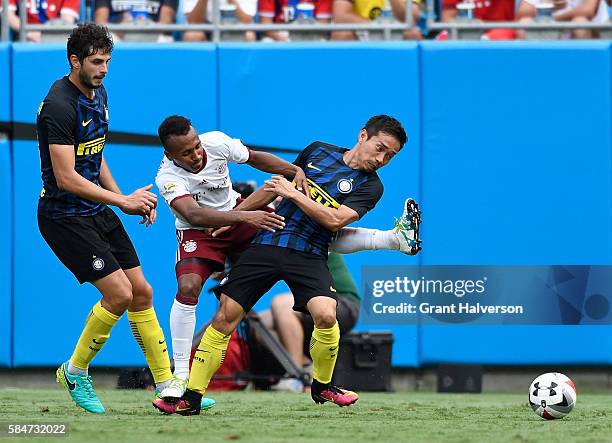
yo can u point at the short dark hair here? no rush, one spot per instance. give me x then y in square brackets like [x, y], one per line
[388, 125]
[172, 126]
[87, 39]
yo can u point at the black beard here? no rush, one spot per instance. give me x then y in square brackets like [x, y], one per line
[86, 81]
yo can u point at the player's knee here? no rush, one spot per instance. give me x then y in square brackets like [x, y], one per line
[190, 289]
[227, 318]
[143, 293]
[121, 297]
[325, 319]
[223, 323]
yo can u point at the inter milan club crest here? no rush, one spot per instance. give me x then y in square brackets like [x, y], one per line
[97, 263]
[345, 185]
[190, 246]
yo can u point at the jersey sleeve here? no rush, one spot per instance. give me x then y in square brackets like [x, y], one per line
[59, 118]
[365, 197]
[231, 148]
[171, 187]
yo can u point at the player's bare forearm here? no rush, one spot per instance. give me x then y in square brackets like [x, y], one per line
[205, 217]
[106, 178]
[271, 163]
[328, 217]
[78, 185]
[211, 218]
[257, 200]
[67, 179]
[331, 219]
[139, 202]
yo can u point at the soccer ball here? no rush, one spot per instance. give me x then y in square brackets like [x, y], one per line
[552, 395]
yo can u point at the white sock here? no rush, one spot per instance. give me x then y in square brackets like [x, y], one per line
[349, 240]
[162, 385]
[73, 370]
[182, 326]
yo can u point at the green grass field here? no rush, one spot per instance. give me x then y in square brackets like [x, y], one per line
[284, 417]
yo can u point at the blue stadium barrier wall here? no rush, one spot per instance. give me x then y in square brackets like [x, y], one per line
[6, 220]
[495, 188]
[516, 170]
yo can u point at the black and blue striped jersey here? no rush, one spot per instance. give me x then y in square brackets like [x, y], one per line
[332, 183]
[67, 117]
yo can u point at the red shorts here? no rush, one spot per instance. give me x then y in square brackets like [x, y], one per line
[194, 243]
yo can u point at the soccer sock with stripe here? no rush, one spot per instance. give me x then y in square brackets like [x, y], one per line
[324, 352]
[207, 359]
[150, 337]
[97, 329]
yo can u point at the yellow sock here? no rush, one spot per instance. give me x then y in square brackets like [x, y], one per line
[95, 333]
[150, 337]
[207, 359]
[324, 351]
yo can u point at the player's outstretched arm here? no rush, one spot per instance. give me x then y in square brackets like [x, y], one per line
[330, 218]
[275, 165]
[257, 200]
[211, 218]
[140, 202]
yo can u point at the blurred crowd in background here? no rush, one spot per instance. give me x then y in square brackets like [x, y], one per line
[141, 13]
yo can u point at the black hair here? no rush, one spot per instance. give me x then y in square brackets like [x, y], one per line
[388, 125]
[87, 39]
[172, 126]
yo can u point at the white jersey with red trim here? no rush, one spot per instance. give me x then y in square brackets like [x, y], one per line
[211, 187]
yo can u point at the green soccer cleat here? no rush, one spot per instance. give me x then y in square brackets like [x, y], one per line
[407, 228]
[206, 403]
[80, 388]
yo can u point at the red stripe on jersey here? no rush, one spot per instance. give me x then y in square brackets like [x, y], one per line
[178, 198]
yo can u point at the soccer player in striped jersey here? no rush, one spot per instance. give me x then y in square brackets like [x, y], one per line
[343, 186]
[75, 220]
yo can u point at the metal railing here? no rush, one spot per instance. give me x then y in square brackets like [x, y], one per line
[4, 24]
[217, 27]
